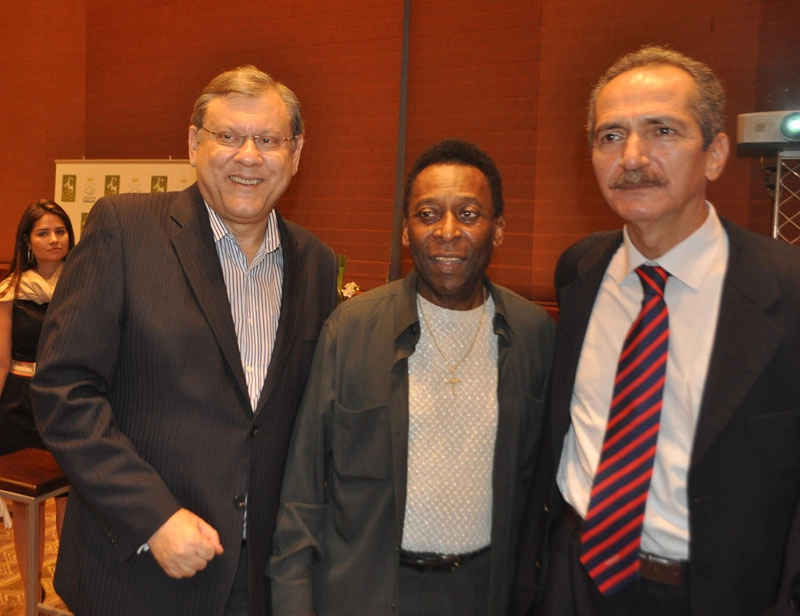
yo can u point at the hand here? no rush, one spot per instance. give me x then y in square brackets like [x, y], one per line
[184, 544]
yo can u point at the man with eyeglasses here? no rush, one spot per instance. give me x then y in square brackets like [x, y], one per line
[172, 367]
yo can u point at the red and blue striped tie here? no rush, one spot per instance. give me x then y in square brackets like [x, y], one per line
[613, 527]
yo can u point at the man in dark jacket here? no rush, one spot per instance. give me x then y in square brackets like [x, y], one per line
[671, 481]
[172, 364]
[416, 440]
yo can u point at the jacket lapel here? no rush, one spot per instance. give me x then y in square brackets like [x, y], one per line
[743, 323]
[576, 300]
[193, 243]
[747, 296]
[286, 337]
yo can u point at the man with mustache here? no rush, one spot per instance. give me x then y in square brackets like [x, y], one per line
[416, 440]
[671, 473]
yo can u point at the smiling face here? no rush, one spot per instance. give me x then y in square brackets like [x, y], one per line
[450, 231]
[243, 184]
[49, 240]
[648, 155]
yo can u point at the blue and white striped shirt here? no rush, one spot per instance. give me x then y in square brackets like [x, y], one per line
[254, 291]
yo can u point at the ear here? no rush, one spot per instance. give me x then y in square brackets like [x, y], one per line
[717, 156]
[194, 143]
[405, 233]
[298, 148]
[498, 231]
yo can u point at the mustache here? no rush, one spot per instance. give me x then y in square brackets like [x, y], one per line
[636, 177]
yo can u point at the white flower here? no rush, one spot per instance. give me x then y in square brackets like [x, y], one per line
[350, 289]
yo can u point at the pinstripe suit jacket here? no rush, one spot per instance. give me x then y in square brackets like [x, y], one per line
[140, 395]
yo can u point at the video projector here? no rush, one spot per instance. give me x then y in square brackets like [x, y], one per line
[769, 130]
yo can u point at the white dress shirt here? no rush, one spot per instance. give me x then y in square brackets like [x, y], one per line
[697, 268]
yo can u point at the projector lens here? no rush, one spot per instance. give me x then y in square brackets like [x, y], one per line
[790, 126]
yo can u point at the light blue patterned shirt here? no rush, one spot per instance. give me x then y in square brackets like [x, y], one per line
[254, 291]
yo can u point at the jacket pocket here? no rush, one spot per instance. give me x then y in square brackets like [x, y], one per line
[362, 444]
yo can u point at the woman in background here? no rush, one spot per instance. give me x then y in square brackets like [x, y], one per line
[44, 237]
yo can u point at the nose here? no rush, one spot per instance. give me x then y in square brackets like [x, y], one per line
[634, 153]
[448, 227]
[248, 150]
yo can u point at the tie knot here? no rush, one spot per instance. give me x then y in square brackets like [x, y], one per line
[653, 279]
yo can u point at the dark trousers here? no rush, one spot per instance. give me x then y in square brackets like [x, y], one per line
[567, 589]
[239, 601]
[463, 592]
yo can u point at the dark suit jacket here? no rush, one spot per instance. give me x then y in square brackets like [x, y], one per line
[140, 394]
[744, 476]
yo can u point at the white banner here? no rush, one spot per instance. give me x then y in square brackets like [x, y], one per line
[79, 183]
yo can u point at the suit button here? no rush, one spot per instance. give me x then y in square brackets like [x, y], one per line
[238, 500]
[253, 430]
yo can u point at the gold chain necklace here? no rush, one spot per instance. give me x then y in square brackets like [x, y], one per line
[453, 381]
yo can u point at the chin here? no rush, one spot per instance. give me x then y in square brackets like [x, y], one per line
[638, 212]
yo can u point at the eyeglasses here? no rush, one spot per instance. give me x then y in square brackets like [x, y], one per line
[268, 142]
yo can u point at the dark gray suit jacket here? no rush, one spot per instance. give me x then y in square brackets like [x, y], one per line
[744, 477]
[140, 394]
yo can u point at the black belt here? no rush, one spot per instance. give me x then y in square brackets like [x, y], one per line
[651, 567]
[426, 561]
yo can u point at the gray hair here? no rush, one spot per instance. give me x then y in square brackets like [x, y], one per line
[708, 105]
[251, 82]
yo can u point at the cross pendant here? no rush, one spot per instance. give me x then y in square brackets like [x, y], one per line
[453, 381]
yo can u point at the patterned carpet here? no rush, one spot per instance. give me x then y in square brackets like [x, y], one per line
[12, 597]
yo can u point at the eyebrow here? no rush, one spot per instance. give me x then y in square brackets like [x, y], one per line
[648, 120]
[463, 200]
[238, 131]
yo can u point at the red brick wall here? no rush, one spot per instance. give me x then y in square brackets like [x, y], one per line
[117, 80]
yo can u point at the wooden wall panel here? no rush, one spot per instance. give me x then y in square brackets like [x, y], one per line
[579, 40]
[42, 101]
[473, 73]
[117, 80]
[777, 89]
[341, 59]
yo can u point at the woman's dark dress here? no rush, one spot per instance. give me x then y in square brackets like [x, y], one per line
[17, 428]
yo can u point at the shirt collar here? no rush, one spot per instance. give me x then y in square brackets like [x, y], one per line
[272, 237]
[689, 261]
[407, 319]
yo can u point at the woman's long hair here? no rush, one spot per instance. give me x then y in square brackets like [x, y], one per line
[22, 259]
